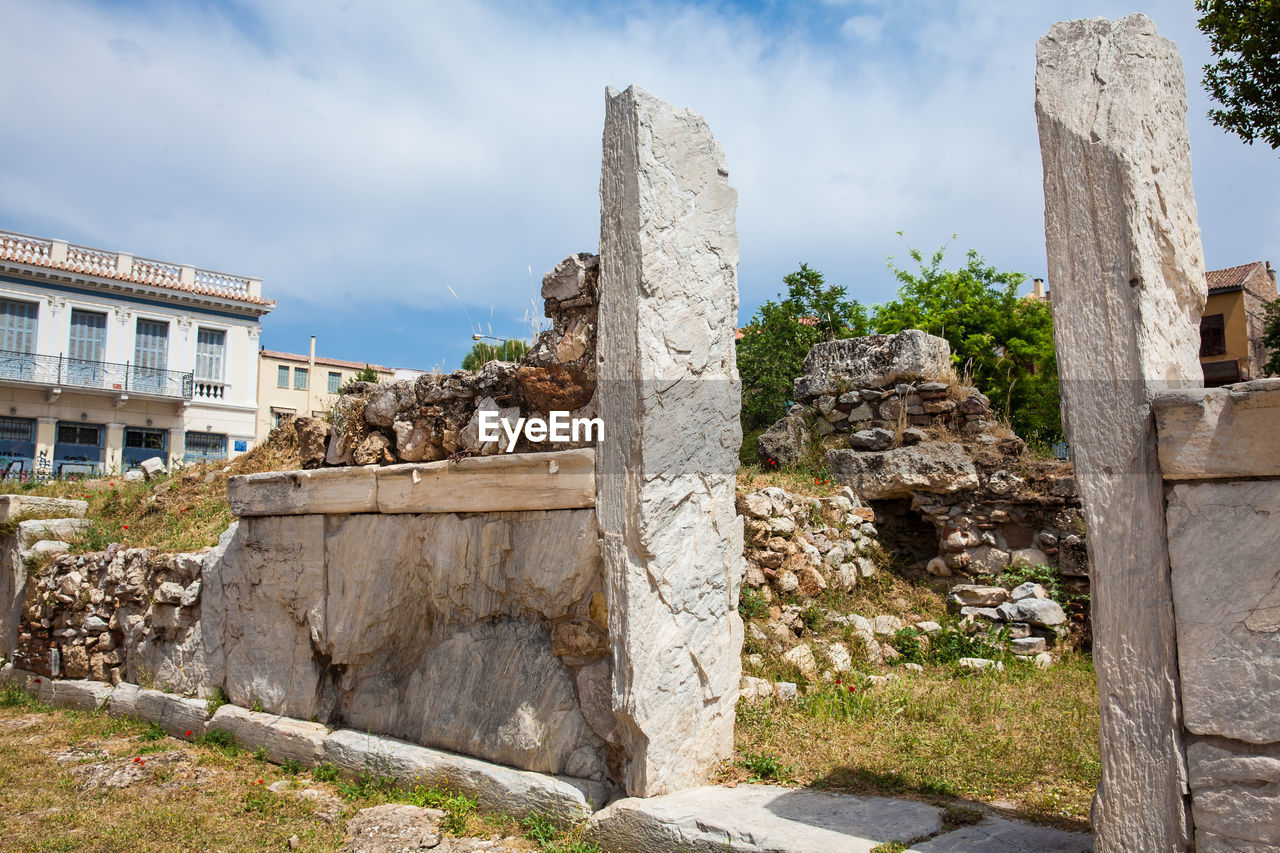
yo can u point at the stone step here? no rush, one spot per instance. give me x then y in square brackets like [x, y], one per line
[770, 819]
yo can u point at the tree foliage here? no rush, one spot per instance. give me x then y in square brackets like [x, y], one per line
[1245, 38]
[1004, 342]
[775, 342]
[483, 353]
[366, 374]
[1271, 338]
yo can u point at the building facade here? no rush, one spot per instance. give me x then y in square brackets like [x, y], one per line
[1232, 327]
[290, 385]
[107, 359]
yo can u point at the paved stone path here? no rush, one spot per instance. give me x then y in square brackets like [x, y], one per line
[769, 819]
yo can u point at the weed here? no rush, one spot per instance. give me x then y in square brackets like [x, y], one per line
[540, 828]
[220, 740]
[955, 816]
[12, 696]
[458, 808]
[324, 772]
[890, 847]
[256, 707]
[765, 767]
[261, 801]
[907, 642]
[291, 767]
[751, 604]
[153, 732]
[216, 700]
[260, 754]
[813, 617]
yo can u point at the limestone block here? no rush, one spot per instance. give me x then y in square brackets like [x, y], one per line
[1223, 542]
[1235, 794]
[758, 819]
[81, 695]
[283, 738]
[1220, 432]
[873, 361]
[1034, 611]
[504, 483]
[1127, 268]
[497, 789]
[670, 398]
[31, 506]
[263, 603]
[175, 714]
[324, 490]
[973, 595]
[940, 468]
[152, 467]
[785, 443]
[61, 529]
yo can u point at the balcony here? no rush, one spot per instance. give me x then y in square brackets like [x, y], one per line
[57, 372]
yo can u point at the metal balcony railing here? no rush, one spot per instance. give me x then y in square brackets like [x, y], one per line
[58, 370]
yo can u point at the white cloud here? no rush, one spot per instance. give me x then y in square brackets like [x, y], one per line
[386, 149]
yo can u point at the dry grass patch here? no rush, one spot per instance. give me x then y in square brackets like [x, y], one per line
[1024, 741]
[209, 796]
[183, 511]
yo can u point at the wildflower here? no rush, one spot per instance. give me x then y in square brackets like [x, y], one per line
[126, 527]
[837, 681]
[142, 761]
[260, 782]
[136, 759]
[851, 690]
[188, 734]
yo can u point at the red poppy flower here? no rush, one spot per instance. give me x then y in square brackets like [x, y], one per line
[126, 527]
[136, 759]
[188, 734]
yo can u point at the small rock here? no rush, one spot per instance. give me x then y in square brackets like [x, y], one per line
[169, 593]
[152, 467]
[972, 595]
[882, 680]
[393, 828]
[755, 505]
[811, 582]
[1027, 646]
[913, 435]
[1029, 557]
[981, 663]
[913, 667]
[784, 691]
[752, 689]
[1036, 611]
[838, 654]
[1044, 660]
[886, 625]
[782, 526]
[1027, 590]
[928, 627]
[802, 657]
[938, 568]
[133, 475]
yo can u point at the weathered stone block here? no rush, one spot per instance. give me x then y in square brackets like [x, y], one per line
[325, 490]
[670, 398]
[1223, 542]
[873, 361]
[504, 483]
[12, 506]
[283, 738]
[1220, 432]
[175, 714]
[941, 468]
[1235, 794]
[497, 789]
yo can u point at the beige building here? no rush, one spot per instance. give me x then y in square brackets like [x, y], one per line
[1234, 323]
[107, 359]
[290, 384]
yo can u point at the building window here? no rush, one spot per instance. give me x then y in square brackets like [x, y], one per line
[86, 434]
[205, 445]
[282, 377]
[144, 439]
[210, 345]
[88, 339]
[18, 326]
[280, 416]
[299, 379]
[1213, 335]
[335, 382]
[151, 346]
[17, 429]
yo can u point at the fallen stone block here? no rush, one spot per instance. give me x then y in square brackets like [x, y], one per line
[282, 738]
[178, 716]
[12, 506]
[81, 695]
[938, 468]
[758, 818]
[517, 793]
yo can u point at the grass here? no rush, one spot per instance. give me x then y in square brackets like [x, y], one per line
[1024, 740]
[210, 795]
[185, 510]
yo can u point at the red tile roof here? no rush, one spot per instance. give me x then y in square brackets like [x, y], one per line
[38, 252]
[327, 362]
[1230, 278]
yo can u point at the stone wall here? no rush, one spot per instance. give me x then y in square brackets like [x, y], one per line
[1220, 455]
[894, 424]
[365, 602]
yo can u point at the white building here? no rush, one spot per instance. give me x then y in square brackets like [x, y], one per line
[107, 359]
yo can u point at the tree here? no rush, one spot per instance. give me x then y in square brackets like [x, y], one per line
[366, 374]
[483, 353]
[1271, 338]
[773, 345]
[1245, 38]
[1004, 342]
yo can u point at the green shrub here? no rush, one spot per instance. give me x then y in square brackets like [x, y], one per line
[751, 605]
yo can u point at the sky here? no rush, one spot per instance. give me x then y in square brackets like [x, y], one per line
[401, 174]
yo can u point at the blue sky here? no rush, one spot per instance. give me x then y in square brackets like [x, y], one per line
[401, 174]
